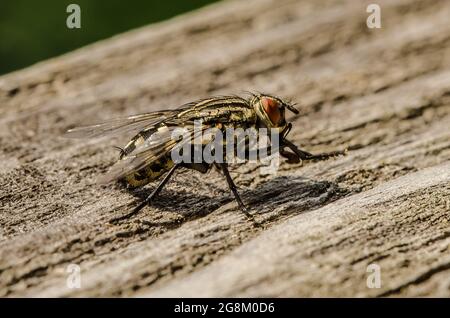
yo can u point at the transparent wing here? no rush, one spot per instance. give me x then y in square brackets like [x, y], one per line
[160, 143]
[134, 124]
[125, 125]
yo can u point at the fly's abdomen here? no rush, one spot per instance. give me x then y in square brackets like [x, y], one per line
[154, 169]
[150, 173]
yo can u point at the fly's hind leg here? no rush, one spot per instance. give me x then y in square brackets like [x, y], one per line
[150, 197]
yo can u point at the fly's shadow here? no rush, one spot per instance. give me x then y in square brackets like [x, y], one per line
[182, 202]
[293, 194]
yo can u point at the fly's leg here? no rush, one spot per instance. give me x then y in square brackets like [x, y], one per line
[233, 189]
[322, 156]
[156, 190]
[304, 155]
[150, 197]
[297, 155]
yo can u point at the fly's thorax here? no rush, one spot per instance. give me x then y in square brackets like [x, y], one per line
[243, 118]
[229, 110]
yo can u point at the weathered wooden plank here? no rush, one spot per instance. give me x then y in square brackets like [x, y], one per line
[384, 94]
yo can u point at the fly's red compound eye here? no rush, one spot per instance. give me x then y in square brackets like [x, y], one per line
[271, 107]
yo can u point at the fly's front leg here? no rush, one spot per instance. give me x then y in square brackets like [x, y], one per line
[304, 155]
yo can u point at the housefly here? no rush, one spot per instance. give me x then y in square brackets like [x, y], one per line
[147, 156]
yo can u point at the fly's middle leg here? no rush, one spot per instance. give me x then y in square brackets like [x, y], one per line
[233, 188]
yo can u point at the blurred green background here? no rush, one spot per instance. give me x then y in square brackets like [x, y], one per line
[31, 31]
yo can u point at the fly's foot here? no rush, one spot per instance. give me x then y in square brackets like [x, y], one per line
[327, 155]
[123, 217]
[248, 216]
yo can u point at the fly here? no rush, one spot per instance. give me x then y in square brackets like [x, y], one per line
[147, 156]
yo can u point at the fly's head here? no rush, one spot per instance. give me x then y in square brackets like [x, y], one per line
[271, 112]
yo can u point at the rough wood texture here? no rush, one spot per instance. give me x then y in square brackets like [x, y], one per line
[384, 94]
